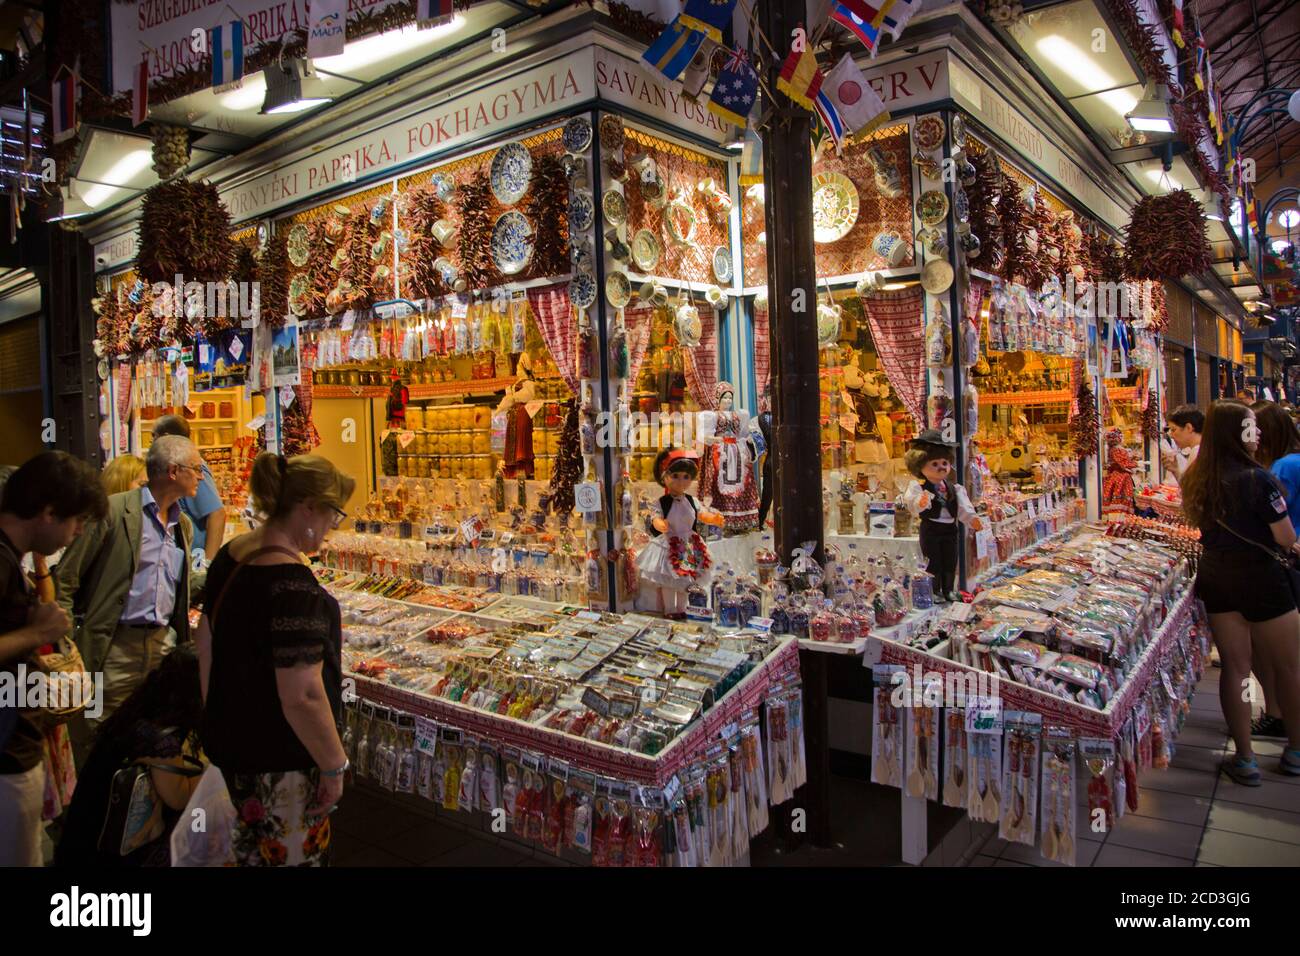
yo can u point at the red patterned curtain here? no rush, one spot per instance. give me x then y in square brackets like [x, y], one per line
[899, 333]
[762, 352]
[555, 321]
[702, 362]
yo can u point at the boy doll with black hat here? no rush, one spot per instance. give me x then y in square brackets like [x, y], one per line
[941, 504]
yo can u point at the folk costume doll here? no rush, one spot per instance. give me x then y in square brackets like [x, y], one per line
[728, 473]
[398, 396]
[677, 557]
[941, 505]
[518, 456]
[1117, 485]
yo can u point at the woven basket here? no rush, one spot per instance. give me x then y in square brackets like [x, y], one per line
[65, 661]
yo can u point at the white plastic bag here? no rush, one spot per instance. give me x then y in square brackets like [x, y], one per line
[203, 836]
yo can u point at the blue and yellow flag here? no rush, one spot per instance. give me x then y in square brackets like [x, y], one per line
[672, 53]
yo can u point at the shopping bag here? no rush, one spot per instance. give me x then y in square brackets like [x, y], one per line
[204, 834]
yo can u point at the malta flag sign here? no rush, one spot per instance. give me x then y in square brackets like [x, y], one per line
[327, 27]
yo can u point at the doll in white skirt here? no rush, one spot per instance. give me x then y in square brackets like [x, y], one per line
[678, 556]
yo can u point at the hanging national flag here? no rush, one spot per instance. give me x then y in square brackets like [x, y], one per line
[1217, 114]
[1200, 62]
[751, 158]
[697, 74]
[858, 25]
[856, 103]
[434, 11]
[228, 53]
[896, 14]
[831, 118]
[672, 53]
[800, 79]
[1178, 23]
[709, 17]
[327, 27]
[734, 93]
[1251, 215]
[63, 99]
[140, 94]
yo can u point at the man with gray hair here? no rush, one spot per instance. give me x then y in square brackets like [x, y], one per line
[125, 581]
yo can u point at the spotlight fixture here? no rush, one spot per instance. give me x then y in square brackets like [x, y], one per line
[1152, 114]
[285, 85]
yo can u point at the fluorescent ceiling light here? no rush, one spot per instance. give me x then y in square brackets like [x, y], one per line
[1152, 115]
[362, 53]
[1074, 61]
[298, 105]
[125, 169]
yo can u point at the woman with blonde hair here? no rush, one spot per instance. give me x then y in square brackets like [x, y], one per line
[123, 473]
[270, 644]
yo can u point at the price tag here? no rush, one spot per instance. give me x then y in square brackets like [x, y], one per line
[1033, 510]
[981, 545]
[426, 735]
[236, 347]
[286, 397]
[349, 320]
[459, 307]
[469, 530]
[405, 438]
[587, 496]
[256, 423]
[761, 623]
[984, 715]
[593, 616]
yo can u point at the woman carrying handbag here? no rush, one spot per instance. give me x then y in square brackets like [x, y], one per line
[270, 649]
[1245, 577]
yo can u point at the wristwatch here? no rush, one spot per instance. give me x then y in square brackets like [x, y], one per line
[347, 765]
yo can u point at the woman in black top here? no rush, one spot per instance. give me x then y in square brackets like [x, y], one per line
[270, 646]
[1242, 514]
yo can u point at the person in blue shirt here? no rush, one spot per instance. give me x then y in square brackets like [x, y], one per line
[1279, 451]
[205, 508]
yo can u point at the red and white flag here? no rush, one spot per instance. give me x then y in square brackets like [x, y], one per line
[140, 94]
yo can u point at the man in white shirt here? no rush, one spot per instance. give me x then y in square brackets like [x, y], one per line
[1183, 427]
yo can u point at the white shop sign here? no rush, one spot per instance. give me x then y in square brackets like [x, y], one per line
[991, 109]
[118, 250]
[474, 116]
[630, 83]
[162, 29]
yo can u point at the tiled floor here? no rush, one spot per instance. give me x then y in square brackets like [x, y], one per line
[1190, 814]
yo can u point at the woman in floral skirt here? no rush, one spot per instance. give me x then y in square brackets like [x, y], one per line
[270, 644]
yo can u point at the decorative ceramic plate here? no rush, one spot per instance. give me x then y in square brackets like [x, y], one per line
[577, 134]
[582, 290]
[614, 205]
[961, 206]
[617, 289]
[928, 133]
[835, 206]
[611, 132]
[646, 250]
[582, 211]
[512, 242]
[512, 169]
[299, 244]
[722, 265]
[298, 288]
[936, 277]
[932, 207]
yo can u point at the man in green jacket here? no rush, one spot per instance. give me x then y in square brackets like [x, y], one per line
[125, 581]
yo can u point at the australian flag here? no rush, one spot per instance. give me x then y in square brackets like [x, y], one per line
[735, 91]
